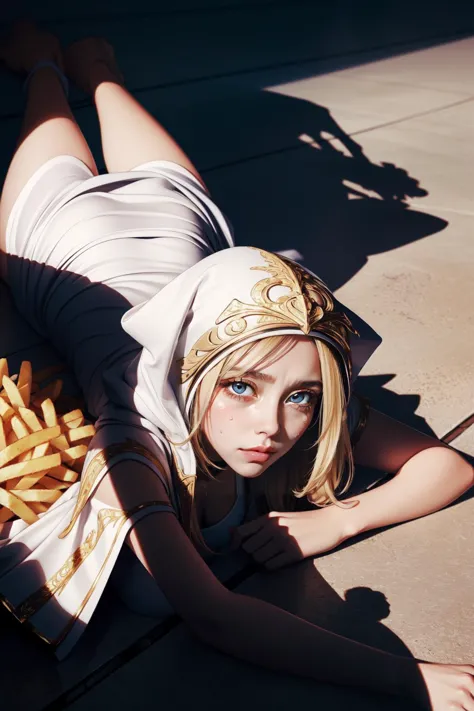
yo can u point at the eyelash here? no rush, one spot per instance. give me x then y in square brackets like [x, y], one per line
[226, 385]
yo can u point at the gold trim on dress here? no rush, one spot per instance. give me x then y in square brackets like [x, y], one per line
[96, 465]
[73, 619]
[57, 582]
[308, 306]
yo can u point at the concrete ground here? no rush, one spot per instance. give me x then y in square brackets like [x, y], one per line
[362, 163]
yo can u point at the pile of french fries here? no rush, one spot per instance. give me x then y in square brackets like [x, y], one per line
[41, 451]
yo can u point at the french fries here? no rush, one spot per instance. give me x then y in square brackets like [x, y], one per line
[41, 451]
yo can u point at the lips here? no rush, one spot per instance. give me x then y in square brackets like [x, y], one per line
[258, 455]
[267, 450]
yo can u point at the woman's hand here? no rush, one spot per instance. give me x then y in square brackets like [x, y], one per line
[277, 539]
[448, 686]
[27, 45]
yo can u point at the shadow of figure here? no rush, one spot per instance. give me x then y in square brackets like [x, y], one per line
[327, 201]
[74, 288]
[401, 407]
[21, 650]
[302, 590]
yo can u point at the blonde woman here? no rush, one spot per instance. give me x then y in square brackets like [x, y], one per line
[221, 378]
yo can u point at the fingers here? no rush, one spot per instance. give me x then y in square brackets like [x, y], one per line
[468, 702]
[253, 543]
[266, 552]
[279, 561]
[466, 690]
[248, 529]
[252, 527]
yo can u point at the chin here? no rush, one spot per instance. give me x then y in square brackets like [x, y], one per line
[250, 470]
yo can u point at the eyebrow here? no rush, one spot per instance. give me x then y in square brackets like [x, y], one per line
[270, 379]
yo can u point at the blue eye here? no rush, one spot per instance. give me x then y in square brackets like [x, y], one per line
[239, 387]
[302, 398]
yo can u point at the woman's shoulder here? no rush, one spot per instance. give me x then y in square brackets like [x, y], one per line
[116, 441]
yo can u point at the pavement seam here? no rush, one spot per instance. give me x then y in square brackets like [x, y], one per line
[331, 140]
[458, 430]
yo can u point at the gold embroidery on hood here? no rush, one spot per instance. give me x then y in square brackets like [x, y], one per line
[308, 306]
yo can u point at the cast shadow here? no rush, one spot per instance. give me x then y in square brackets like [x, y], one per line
[30, 674]
[357, 614]
[328, 200]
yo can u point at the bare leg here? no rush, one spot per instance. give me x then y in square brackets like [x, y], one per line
[49, 128]
[130, 134]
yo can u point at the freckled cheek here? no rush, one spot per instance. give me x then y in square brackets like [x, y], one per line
[224, 417]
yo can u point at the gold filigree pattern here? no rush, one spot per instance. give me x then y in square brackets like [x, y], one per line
[308, 306]
[94, 468]
[60, 579]
[73, 619]
[57, 582]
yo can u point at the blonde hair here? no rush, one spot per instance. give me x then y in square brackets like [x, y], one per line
[302, 472]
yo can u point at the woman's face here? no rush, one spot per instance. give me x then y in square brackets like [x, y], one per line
[256, 418]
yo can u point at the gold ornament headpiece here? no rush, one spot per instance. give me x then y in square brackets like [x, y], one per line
[307, 307]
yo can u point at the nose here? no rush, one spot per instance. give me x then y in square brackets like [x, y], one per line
[267, 419]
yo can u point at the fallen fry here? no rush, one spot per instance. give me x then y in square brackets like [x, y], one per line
[49, 413]
[47, 482]
[42, 464]
[3, 368]
[72, 425]
[71, 416]
[19, 427]
[35, 438]
[73, 453]
[26, 482]
[12, 391]
[37, 506]
[30, 419]
[60, 443]
[18, 506]
[63, 473]
[43, 495]
[42, 448]
[24, 381]
[81, 433]
[6, 412]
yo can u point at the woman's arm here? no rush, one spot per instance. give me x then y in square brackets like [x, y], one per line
[429, 475]
[251, 629]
